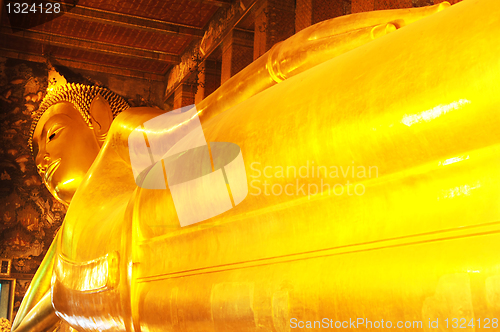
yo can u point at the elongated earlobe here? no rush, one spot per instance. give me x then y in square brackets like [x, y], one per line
[101, 117]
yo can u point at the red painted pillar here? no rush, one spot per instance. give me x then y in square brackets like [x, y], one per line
[274, 22]
[184, 95]
[237, 53]
[209, 79]
[309, 12]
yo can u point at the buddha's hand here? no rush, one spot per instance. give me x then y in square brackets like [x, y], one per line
[328, 39]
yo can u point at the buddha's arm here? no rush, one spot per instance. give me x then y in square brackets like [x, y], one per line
[308, 48]
[36, 312]
[124, 124]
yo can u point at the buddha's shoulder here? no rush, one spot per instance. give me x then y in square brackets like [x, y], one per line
[134, 117]
[125, 123]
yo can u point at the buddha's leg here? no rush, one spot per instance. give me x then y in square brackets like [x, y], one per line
[325, 40]
[306, 49]
[282, 66]
[357, 21]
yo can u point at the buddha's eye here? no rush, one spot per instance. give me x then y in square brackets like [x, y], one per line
[53, 133]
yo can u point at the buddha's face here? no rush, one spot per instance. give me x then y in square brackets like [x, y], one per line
[65, 147]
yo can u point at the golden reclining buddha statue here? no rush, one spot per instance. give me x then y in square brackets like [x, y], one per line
[373, 189]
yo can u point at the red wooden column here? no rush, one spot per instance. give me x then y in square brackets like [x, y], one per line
[184, 95]
[274, 22]
[392, 4]
[237, 53]
[358, 6]
[209, 79]
[309, 12]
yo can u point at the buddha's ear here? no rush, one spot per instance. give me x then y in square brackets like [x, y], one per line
[101, 117]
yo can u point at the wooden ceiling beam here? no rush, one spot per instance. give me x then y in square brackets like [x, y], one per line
[88, 66]
[174, 79]
[89, 45]
[131, 21]
[218, 3]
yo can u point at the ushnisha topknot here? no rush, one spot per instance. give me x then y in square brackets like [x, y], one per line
[81, 96]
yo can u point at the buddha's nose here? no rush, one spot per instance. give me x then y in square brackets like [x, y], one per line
[43, 164]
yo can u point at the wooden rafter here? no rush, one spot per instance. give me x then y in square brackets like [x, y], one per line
[130, 21]
[70, 63]
[218, 3]
[90, 45]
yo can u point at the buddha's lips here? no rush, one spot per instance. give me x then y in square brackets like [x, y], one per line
[51, 169]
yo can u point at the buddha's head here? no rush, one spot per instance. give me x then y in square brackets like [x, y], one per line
[67, 133]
